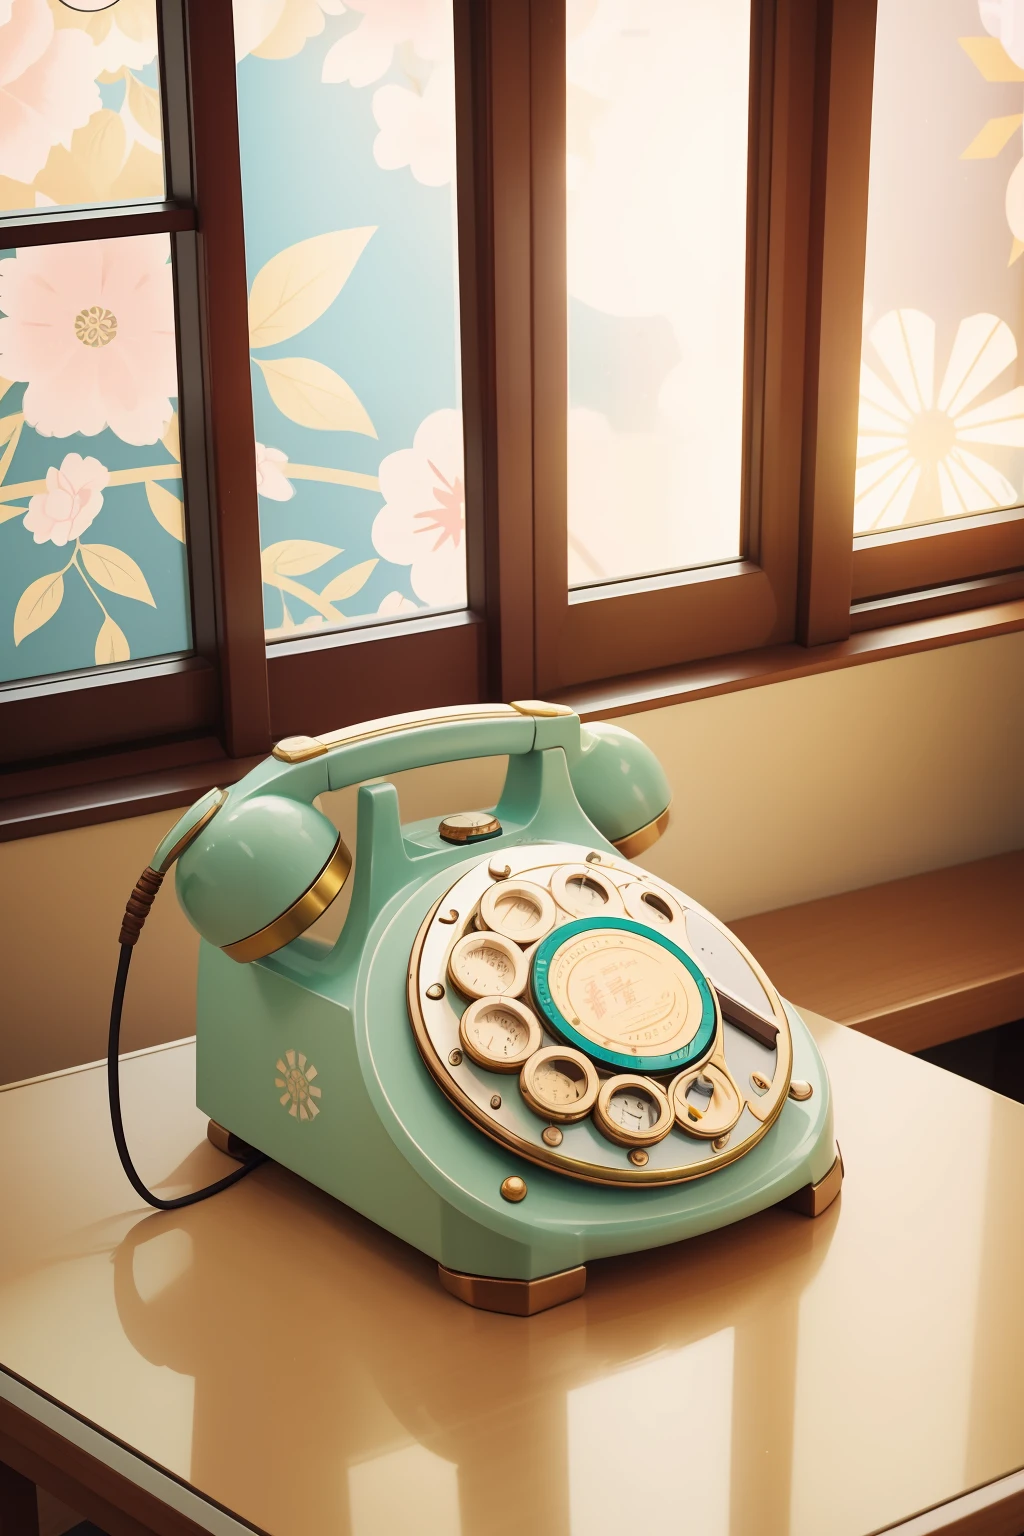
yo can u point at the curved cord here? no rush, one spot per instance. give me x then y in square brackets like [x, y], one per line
[113, 1063]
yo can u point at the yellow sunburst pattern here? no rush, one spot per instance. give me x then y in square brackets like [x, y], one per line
[296, 1076]
[917, 446]
[995, 65]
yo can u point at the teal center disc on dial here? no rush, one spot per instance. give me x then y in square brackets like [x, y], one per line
[624, 994]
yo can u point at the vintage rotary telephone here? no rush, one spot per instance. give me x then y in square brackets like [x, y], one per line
[524, 1051]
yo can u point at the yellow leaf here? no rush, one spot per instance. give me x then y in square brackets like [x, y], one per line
[38, 603]
[167, 510]
[86, 172]
[5, 385]
[996, 133]
[7, 426]
[313, 395]
[991, 59]
[171, 439]
[111, 644]
[348, 582]
[294, 557]
[295, 287]
[12, 443]
[144, 105]
[116, 571]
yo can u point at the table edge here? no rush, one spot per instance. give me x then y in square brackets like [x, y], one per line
[52, 1428]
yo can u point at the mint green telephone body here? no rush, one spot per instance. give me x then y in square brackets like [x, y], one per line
[518, 1053]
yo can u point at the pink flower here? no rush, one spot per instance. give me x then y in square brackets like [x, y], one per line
[90, 329]
[73, 496]
[271, 480]
[47, 86]
[393, 603]
[423, 521]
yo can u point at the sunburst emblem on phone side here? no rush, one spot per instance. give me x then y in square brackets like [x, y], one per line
[296, 1078]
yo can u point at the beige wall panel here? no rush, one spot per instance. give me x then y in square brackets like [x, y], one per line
[782, 794]
[833, 782]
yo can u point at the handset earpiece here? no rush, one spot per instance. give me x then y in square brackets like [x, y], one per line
[256, 876]
[621, 786]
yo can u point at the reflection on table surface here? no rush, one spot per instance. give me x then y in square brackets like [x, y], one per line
[306, 1370]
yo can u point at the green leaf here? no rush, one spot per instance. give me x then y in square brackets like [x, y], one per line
[37, 604]
[348, 582]
[167, 509]
[116, 571]
[315, 396]
[295, 287]
[111, 644]
[294, 557]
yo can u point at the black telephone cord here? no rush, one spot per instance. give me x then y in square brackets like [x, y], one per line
[135, 916]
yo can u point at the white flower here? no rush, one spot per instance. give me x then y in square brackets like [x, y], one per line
[73, 497]
[278, 29]
[365, 54]
[395, 603]
[124, 35]
[271, 480]
[912, 460]
[417, 128]
[423, 520]
[47, 87]
[1005, 19]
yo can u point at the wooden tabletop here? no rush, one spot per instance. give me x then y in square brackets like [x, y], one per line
[303, 1371]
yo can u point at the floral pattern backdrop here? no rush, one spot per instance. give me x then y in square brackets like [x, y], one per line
[347, 129]
[942, 397]
[92, 557]
[347, 124]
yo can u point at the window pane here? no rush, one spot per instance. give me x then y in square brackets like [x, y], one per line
[80, 116]
[942, 407]
[657, 116]
[92, 556]
[347, 127]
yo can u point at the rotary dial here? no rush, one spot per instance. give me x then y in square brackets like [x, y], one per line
[578, 975]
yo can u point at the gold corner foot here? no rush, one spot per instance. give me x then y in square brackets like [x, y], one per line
[815, 1198]
[224, 1141]
[519, 1298]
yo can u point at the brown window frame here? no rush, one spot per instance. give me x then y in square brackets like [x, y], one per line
[800, 599]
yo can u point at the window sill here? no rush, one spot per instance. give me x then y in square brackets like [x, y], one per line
[780, 663]
[163, 778]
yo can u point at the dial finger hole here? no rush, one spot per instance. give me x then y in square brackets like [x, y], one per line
[499, 1033]
[584, 891]
[559, 1084]
[487, 965]
[646, 904]
[706, 1102]
[632, 1111]
[519, 910]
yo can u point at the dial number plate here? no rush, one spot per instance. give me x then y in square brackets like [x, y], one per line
[610, 987]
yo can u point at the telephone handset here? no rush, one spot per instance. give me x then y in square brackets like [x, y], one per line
[524, 1050]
